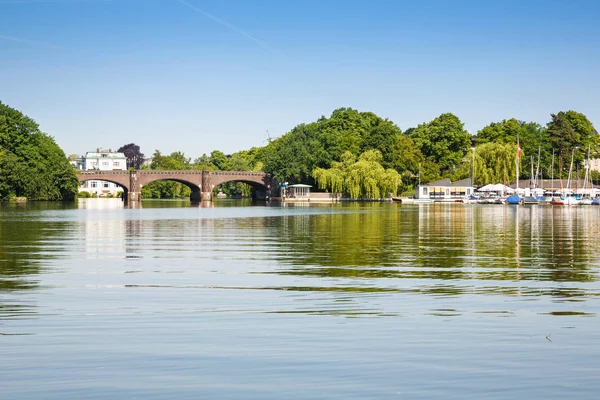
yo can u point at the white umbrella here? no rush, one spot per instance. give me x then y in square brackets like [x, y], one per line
[487, 188]
[499, 187]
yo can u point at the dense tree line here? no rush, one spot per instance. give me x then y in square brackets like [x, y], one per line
[31, 163]
[363, 155]
[352, 152]
[313, 153]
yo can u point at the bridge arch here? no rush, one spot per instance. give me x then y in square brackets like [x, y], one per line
[261, 183]
[201, 183]
[191, 179]
[251, 178]
[120, 178]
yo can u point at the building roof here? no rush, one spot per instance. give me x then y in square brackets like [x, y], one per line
[446, 182]
[90, 154]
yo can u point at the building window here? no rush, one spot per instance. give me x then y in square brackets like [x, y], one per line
[105, 184]
[93, 184]
[116, 164]
[105, 163]
[425, 191]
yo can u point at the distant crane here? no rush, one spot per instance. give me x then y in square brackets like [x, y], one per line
[269, 138]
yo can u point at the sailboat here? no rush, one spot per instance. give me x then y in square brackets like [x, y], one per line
[514, 198]
[541, 198]
[555, 201]
[531, 199]
[570, 200]
[587, 183]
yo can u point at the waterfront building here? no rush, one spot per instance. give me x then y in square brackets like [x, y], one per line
[594, 164]
[299, 191]
[101, 160]
[445, 190]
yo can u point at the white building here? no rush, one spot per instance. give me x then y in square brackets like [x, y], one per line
[595, 164]
[101, 160]
[445, 190]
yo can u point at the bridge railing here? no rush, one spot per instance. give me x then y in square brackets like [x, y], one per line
[169, 172]
[247, 173]
[99, 172]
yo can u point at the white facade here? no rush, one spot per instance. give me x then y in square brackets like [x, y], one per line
[101, 160]
[445, 190]
[595, 164]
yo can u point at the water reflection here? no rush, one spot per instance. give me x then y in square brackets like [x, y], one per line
[484, 249]
[215, 299]
[348, 250]
[27, 243]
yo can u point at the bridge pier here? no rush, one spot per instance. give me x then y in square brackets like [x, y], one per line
[206, 186]
[134, 196]
[207, 196]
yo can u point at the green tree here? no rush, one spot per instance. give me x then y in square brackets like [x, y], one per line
[409, 161]
[166, 189]
[135, 158]
[586, 134]
[365, 178]
[293, 156]
[203, 163]
[443, 141]
[562, 138]
[31, 163]
[296, 154]
[532, 139]
[495, 163]
[219, 160]
[584, 130]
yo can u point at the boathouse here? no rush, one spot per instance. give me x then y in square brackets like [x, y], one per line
[299, 191]
[445, 190]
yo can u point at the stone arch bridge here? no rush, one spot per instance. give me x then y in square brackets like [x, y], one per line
[201, 183]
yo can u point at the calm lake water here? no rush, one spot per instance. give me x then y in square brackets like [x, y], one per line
[348, 301]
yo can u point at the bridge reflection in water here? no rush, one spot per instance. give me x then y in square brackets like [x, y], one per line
[201, 183]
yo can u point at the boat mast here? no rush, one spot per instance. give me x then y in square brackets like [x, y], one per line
[532, 179]
[473, 172]
[537, 170]
[552, 174]
[587, 174]
[570, 170]
[517, 165]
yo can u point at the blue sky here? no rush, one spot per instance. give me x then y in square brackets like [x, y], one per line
[198, 75]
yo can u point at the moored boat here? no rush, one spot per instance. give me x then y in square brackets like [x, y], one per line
[513, 199]
[571, 201]
[415, 201]
[530, 200]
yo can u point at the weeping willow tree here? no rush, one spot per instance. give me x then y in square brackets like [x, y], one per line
[495, 163]
[363, 178]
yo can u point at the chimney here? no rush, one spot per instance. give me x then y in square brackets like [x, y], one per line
[97, 149]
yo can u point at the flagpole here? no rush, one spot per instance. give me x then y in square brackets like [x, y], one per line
[517, 165]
